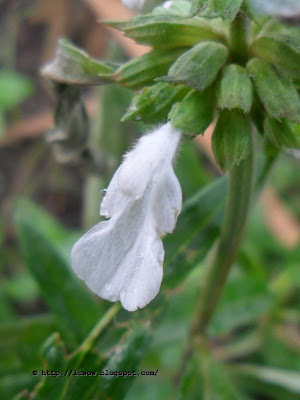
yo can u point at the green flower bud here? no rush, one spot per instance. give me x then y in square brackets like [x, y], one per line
[235, 89]
[198, 67]
[279, 49]
[276, 92]
[217, 8]
[283, 134]
[231, 140]
[154, 103]
[194, 114]
[143, 70]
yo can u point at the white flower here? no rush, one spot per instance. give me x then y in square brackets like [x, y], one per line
[140, 5]
[122, 258]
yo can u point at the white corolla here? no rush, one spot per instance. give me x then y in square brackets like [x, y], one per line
[122, 258]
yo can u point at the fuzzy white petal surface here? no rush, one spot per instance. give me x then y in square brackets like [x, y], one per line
[122, 258]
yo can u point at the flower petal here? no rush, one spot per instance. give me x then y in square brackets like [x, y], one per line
[167, 201]
[122, 259]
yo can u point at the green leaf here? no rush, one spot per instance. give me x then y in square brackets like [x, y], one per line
[6, 308]
[278, 348]
[206, 379]
[283, 134]
[126, 357]
[275, 382]
[231, 140]
[191, 173]
[217, 8]
[70, 381]
[276, 92]
[246, 298]
[235, 89]
[194, 113]
[54, 358]
[63, 292]
[14, 88]
[74, 66]
[21, 287]
[20, 341]
[169, 31]
[113, 137]
[59, 236]
[143, 70]
[154, 103]
[12, 384]
[195, 232]
[198, 68]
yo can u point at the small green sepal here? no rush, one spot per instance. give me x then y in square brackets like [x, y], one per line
[194, 114]
[235, 89]
[231, 139]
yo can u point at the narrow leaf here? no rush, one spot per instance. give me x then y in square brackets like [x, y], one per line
[275, 382]
[65, 295]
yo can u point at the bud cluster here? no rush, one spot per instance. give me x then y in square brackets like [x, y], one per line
[204, 65]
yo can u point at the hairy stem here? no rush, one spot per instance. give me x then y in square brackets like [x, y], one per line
[239, 193]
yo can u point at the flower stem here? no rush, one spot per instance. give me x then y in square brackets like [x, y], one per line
[93, 336]
[239, 193]
[89, 342]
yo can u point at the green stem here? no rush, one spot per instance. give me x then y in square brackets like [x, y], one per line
[89, 342]
[240, 187]
[239, 38]
[78, 355]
